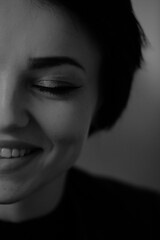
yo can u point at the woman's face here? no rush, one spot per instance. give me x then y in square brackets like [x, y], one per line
[48, 80]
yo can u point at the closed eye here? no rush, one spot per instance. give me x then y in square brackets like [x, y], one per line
[55, 91]
[54, 85]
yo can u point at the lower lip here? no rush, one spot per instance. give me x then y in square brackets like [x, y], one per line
[8, 165]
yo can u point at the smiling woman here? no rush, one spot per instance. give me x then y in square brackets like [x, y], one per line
[66, 69]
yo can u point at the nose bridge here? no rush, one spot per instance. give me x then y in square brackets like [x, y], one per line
[7, 90]
[12, 104]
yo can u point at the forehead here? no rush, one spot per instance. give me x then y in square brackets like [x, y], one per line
[27, 29]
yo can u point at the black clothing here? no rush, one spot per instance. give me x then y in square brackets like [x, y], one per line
[94, 208]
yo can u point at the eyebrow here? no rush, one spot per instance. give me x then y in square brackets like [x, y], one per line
[48, 62]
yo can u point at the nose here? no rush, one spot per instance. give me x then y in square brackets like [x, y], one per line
[13, 113]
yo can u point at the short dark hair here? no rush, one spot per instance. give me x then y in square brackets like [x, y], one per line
[117, 32]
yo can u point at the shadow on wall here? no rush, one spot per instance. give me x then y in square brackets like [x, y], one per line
[131, 150]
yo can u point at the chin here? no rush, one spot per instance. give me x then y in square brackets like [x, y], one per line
[12, 192]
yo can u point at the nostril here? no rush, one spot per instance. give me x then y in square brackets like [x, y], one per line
[11, 122]
[11, 117]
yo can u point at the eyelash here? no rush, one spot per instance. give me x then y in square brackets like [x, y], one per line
[57, 90]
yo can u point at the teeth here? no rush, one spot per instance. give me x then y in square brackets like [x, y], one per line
[13, 153]
[22, 152]
[5, 152]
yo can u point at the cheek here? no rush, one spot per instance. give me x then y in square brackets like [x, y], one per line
[64, 119]
[65, 130]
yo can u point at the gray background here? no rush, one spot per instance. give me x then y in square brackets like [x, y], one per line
[131, 150]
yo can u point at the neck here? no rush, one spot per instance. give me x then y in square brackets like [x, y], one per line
[39, 204]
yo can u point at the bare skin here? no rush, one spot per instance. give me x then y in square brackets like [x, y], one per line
[57, 121]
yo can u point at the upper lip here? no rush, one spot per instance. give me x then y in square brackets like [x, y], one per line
[17, 144]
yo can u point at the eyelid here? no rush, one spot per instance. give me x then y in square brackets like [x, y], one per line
[52, 83]
[53, 78]
[60, 80]
[56, 91]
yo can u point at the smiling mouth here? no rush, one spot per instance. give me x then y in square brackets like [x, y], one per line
[15, 153]
[16, 148]
[13, 164]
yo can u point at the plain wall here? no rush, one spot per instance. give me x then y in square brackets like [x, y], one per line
[131, 150]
